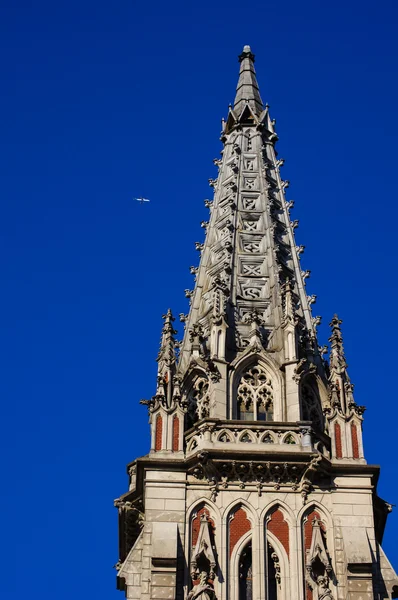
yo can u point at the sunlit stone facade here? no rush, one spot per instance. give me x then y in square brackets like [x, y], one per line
[256, 485]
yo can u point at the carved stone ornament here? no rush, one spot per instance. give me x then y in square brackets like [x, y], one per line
[277, 566]
[308, 476]
[213, 372]
[324, 593]
[359, 410]
[218, 473]
[318, 565]
[196, 333]
[203, 590]
[203, 559]
[304, 367]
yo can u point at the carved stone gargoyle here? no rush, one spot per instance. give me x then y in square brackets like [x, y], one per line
[318, 566]
[203, 559]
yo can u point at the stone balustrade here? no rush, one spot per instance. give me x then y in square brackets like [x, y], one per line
[273, 437]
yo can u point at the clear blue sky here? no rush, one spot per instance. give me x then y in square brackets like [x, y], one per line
[103, 101]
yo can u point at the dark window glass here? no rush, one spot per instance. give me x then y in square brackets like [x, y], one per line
[245, 574]
[245, 413]
[271, 574]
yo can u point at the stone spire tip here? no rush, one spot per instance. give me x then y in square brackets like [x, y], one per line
[246, 53]
[247, 89]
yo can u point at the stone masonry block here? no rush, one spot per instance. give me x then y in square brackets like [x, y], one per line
[358, 521]
[162, 593]
[351, 498]
[342, 509]
[164, 492]
[165, 476]
[133, 593]
[164, 544]
[163, 580]
[156, 503]
[165, 516]
[145, 587]
[175, 505]
[353, 482]
[364, 509]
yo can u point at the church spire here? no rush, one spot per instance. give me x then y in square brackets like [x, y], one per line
[250, 262]
[247, 89]
[250, 422]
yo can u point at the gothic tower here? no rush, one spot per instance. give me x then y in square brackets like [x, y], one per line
[256, 486]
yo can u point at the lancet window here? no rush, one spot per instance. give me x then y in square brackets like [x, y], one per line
[255, 396]
[277, 542]
[311, 406]
[198, 401]
[273, 574]
[246, 574]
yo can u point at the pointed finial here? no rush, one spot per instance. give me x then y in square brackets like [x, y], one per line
[245, 52]
[168, 319]
[167, 342]
[337, 357]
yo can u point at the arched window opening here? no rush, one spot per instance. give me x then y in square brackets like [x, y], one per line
[198, 402]
[311, 405]
[246, 574]
[255, 396]
[273, 574]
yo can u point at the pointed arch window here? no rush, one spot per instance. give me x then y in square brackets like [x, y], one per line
[311, 406]
[277, 541]
[255, 395]
[246, 573]
[273, 574]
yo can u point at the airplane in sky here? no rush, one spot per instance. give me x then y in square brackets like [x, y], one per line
[141, 200]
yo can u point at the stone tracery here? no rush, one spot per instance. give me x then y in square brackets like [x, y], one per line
[198, 401]
[255, 399]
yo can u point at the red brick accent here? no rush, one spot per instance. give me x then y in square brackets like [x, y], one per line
[158, 432]
[337, 436]
[354, 437]
[176, 433]
[238, 526]
[307, 540]
[279, 527]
